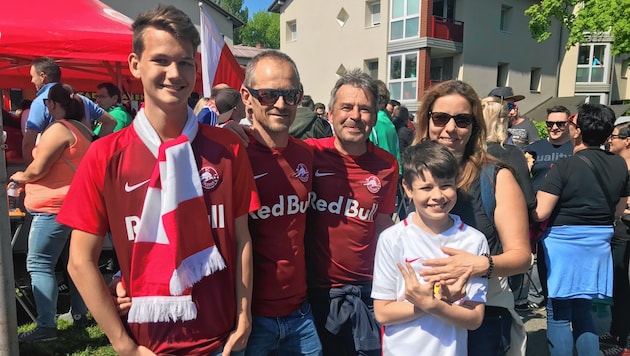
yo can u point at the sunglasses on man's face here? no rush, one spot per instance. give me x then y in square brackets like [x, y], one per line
[440, 119]
[571, 120]
[560, 124]
[511, 106]
[270, 96]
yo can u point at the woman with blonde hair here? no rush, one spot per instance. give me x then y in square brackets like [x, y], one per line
[451, 114]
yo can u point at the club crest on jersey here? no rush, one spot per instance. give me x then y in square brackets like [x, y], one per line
[302, 173]
[209, 178]
[373, 184]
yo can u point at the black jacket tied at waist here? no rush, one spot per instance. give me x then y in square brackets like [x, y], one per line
[346, 304]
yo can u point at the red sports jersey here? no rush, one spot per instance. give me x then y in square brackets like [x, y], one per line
[348, 193]
[108, 191]
[284, 179]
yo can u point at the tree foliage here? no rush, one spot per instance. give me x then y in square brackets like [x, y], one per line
[263, 27]
[235, 7]
[591, 20]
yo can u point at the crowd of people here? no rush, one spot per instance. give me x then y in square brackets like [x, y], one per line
[258, 222]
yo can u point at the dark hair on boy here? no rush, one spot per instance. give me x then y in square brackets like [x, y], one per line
[428, 156]
[65, 95]
[167, 18]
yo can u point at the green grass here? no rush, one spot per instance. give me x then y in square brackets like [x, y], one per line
[90, 341]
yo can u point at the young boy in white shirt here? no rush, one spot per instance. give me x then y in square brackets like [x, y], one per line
[417, 316]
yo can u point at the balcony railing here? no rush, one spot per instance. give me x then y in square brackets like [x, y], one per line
[447, 29]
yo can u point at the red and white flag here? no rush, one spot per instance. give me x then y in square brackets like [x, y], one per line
[218, 64]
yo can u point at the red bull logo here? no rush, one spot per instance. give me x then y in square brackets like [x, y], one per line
[373, 184]
[209, 178]
[302, 173]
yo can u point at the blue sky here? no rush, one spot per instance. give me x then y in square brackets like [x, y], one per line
[257, 5]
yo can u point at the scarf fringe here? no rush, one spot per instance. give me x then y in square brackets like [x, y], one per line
[162, 309]
[194, 268]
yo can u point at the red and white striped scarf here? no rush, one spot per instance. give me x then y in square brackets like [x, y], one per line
[174, 248]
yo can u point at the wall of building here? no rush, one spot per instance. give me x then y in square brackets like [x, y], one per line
[486, 46]
[190, 7]
[323, 45]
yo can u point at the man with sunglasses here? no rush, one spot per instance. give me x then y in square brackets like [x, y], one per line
[545, 153]
[282, 321]
[522, 131]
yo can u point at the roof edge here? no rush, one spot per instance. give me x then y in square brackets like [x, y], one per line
[236, 22]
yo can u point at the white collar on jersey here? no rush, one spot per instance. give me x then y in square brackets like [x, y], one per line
[147, 133]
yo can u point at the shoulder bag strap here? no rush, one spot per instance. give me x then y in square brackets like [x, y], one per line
[599, 179]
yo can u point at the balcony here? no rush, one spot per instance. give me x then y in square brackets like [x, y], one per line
[447, 29]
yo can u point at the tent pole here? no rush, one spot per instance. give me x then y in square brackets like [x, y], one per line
[8, 316]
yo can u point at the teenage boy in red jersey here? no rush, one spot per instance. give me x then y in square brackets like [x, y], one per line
[354, 191]
[118, 176]
[282, 318]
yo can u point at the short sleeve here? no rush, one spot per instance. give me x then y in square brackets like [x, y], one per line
[38, 116]
[553, 181]
[92, 111]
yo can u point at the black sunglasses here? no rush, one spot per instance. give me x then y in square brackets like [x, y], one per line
[440, 119]
[560, 124]
[270, 96]
[45, 101]
[621, 137]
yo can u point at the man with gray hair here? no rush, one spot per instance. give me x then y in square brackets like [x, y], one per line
[354, 191]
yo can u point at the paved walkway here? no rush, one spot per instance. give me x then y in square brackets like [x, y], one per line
[536, 326]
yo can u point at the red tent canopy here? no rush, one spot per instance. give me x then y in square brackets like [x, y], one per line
[90, 40]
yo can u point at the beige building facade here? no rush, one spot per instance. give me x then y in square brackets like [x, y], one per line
[411, 44]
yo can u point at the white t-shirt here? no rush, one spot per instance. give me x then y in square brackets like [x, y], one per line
[406, 241]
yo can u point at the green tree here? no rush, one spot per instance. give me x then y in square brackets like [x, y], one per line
[235, 7]
[263, 27]
[591, 19]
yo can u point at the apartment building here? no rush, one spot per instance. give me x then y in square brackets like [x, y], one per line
[412, 44]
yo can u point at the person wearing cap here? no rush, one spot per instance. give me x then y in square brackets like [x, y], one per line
[522, 131]
[228, 102]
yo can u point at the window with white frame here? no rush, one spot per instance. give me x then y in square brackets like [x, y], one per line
[403, 81]
[595, 98]
[372, 13]
[593, 63]
[291, 31]
[405, 19]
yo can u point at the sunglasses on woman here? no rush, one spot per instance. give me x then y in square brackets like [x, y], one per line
[440, 119]
[270, 96]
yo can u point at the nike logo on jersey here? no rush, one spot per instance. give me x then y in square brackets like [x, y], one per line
[131, 188]
[323, 174]
[260, 175]
[411, 260]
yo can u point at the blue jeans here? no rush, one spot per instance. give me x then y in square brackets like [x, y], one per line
[562, 314]
[294, 334]
[46, 241]
[492, 338]
[233, 353]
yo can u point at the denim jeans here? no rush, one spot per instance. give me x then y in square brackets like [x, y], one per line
[294, 334]
[46, 241]
[233, 353]
[492, 338]
[564, 314]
